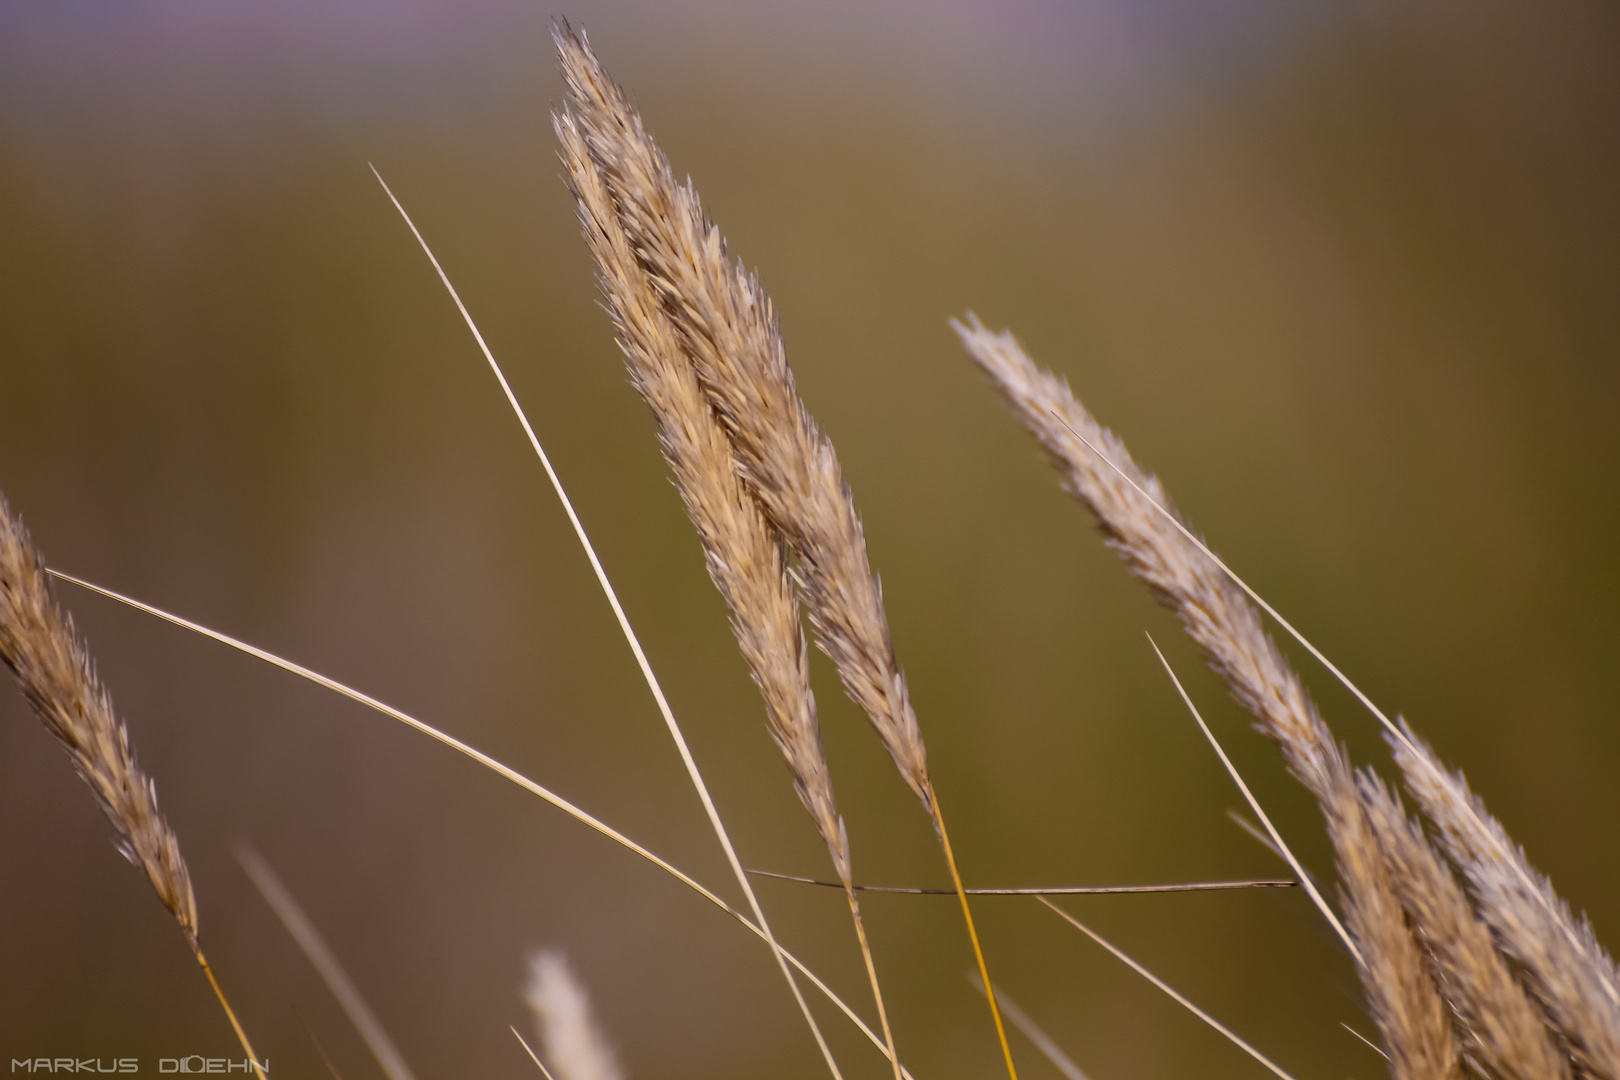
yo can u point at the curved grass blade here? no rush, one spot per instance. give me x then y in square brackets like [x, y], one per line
[497, 767]
[629, 634]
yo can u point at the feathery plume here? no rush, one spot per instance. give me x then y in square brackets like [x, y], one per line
[743, 551]
[562, 1010]
[1401, 991]
[1569, 973]
[1501, 1029]
[1182, 578]
[728, 331]
[53, 669]
[42, 648]
[1189, 582]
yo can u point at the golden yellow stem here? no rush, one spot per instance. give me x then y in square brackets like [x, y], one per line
[973, 934]
[229, 1013]
[871, 973]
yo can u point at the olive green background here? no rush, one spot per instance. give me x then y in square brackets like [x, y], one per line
[1344, 274]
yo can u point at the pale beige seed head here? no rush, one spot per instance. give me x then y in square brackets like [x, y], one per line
[1401, 991]
[1565, 967]
[742, 550]
[39, 644]
[1499, 1026]
[1182, 577]
[727, 328]
[1127, 502]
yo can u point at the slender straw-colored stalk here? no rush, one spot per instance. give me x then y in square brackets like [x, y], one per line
[973, 932]
[53, 669]
[545, 1072]
[727, 327]
[325, 962]
[1025, 1023]
[506, 772]
[230, 1013]
[320, 1050]
[1379, 1050]
[647, 675]
[1281, 846]
[1175, 995]
[1053, 890]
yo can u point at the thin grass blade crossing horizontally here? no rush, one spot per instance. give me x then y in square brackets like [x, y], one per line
[1053, 890]
[726, 326]
[42, 648]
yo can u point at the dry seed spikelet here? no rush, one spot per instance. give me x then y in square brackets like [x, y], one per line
[727, 327]
[743, 552]
[1402, 993]
[40, 645]
[1501, 1029]
[1569, 973]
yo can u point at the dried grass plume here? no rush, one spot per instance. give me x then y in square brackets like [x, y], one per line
[53, 668]
[1408, 967]
[40, 645]
[575, 1048]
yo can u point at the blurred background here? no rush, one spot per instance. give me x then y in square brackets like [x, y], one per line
[1342, 272]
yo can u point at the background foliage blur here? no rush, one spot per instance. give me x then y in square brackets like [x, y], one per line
[1342, 272]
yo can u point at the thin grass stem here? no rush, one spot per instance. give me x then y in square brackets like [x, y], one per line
[1057, 890]
[629, 634]
[545, 1072]
[1032, 1031]
[1395, 731]
[1254, 804]
[973, 933]
[230, 1013]
[325, 962]
[326, 1058]
[871, 975]
[494, 766]
[1379, 1050]
[1162, 985]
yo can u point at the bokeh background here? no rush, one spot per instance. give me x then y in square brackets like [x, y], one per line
[1343, 272]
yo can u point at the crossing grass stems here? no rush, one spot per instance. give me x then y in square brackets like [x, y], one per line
[1470, 962]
